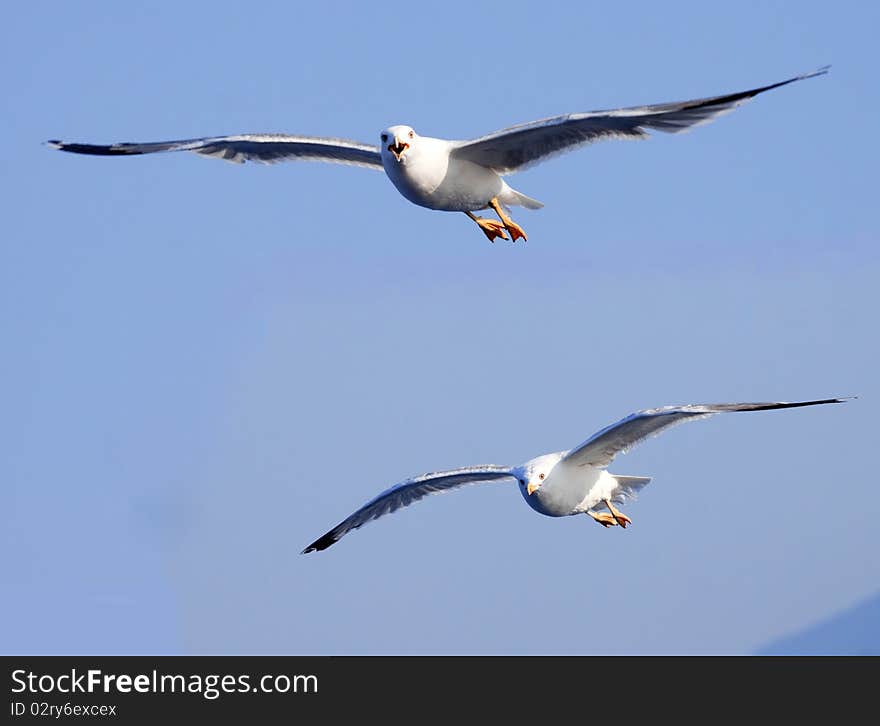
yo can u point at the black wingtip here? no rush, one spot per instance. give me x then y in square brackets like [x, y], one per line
[818, 402]
[802, 77]
[322, 543]
[775, 405]
[92, 149]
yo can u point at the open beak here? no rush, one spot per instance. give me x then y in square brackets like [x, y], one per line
[397, 148]
[532, 487]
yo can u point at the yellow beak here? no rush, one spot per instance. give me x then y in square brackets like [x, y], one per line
[530, 489]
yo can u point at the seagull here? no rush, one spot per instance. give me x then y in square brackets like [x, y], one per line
[457, 176]
[559, 484]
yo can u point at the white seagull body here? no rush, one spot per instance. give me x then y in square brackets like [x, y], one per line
[559, 484]
[457, 176]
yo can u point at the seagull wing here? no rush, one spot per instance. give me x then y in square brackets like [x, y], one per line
[407, 492]
[601, 448]
[263, 148]
[520, 147]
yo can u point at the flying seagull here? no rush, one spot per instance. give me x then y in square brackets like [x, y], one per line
[457, 176]
[559, 484]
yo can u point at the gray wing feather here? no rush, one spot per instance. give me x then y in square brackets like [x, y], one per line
[601, 448]
[263, 148]
[519, 147]
[407, 492]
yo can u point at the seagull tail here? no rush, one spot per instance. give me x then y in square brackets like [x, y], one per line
[627, 486]
[521, 200]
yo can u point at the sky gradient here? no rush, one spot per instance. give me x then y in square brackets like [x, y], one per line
[206, 366]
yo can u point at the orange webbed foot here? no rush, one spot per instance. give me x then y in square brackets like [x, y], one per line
[606, 520]
[491, 228]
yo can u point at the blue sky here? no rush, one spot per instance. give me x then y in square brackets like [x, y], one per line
[207, 365]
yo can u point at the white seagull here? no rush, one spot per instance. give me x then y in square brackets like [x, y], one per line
[457, 176]
[560, 484]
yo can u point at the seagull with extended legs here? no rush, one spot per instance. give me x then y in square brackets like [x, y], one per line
[560, 484]
[457, 176]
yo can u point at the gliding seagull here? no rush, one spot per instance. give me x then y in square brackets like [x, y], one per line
[560, 484]
[457, 176]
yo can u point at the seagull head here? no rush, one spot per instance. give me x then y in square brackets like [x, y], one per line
[535, 472]
[397, 141]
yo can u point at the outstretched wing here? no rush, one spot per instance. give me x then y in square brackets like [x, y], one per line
[407, 492]
[601, 448]
[520, 147]
[264, 148]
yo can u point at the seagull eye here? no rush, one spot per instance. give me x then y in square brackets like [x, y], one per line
[384, 138]
[411, 134]
[541, 475]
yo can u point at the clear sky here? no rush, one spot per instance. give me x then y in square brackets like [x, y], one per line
[205, 366]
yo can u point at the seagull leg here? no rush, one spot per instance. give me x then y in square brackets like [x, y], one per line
[490, 227]
[619, 516]
[515, 230]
